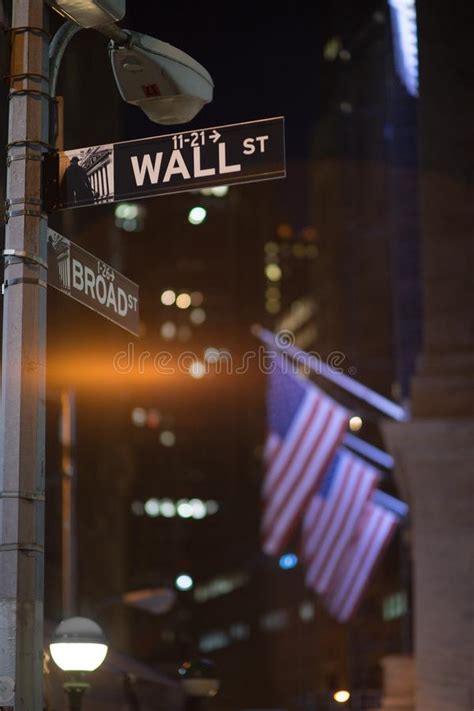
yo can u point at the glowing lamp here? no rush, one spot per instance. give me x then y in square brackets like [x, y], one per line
[341, 696]
[78, 645]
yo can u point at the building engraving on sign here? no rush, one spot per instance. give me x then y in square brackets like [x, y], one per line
[92, 282]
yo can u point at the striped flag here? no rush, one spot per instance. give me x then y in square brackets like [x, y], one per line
[332, 517]
[374, 532]
[306, 428]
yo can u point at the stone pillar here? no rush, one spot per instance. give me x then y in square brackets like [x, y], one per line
[434, 452]
[398, 683]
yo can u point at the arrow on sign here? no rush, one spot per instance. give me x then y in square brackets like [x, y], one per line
[215, 135]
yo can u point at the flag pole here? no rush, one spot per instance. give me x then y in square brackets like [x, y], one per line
[345, 382]
[376, 455]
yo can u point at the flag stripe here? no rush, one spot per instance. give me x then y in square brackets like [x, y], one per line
[376, 529]
[284, 521]
[306, 427]
[290, 445]
[331, 520]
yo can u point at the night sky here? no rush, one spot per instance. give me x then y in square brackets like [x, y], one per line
[263, 64]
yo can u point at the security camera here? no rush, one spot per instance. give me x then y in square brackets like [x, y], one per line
[167, 84]
[90, 13]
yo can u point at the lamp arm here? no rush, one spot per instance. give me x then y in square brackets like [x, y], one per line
[64, 35]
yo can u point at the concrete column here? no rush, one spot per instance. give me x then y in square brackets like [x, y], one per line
[435, 467]
[434, 453]
[398, 683]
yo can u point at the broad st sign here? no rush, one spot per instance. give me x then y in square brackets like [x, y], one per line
[177, 162]
[92, 282]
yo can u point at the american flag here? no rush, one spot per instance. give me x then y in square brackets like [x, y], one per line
[305, 429]
[332, 516]
[374, 532]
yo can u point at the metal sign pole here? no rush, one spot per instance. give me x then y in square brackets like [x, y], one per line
[22, 412]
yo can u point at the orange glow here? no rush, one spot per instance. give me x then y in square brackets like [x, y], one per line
[285, 231]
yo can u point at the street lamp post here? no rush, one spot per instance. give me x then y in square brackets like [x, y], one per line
[186, 88]
[78, 647]
[22, 409]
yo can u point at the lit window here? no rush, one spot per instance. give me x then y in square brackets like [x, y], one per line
[275, 620]
[299, 250]
[126, 211]
[220, 190]
[184, 582]
[137, 508]
[197, 316]
[168, 330]
[167, 438]
[212, 641]
[197, 297]
[273, 272]
[183, 301]
[239, 631]
[285, 231]
[152, 508]
[346, 107]
[332, 49]
[167, 508]
[198, 508]
[168, 297]
[139, 416]
[129, 217]
[288, 561]
[306, 611]
[355, 423]
[272, 249]
[221, 585]
[197, 370]
[273, 292]
[395, 606]
[184, 509]
[197, 215]
[273, 306]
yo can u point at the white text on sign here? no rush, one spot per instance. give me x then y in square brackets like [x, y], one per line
[151, 167]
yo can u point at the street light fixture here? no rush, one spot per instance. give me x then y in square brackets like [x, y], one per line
[173, 89]
[78, 646]
[90, 13]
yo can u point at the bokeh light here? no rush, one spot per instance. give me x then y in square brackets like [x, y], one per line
[355, 423]
[184, 582]
[139, 416]
[168, 297]
[167, 438]
[273, 272]
[342, 696]
[183, 301]
[152, 507]
[197, 215]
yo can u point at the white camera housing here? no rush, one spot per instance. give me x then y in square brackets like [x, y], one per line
[90, 13]
[167, 84]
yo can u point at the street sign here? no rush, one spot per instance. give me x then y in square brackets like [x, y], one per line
[177, 162]
[92, 282]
